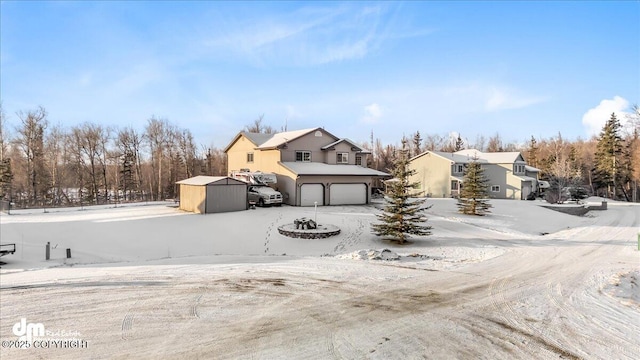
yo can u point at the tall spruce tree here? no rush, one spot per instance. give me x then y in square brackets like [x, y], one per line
[473, 195]
[402, 215]
[532, 152]
[459, 144]
[6, 177]
[612, 168]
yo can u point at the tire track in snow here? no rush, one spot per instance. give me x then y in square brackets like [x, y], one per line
[194, 307]
[508, 314]
[127, 325]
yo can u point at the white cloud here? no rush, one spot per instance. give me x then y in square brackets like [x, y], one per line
[309, 36]
[372, 114]
[487, 97]
[508, 98]
[595, 118]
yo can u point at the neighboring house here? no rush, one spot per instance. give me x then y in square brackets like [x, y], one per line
[311, 165]
[441, 174]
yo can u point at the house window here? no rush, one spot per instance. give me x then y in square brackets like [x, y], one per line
[454, 184]
[359, 160]
[303, 156]
[458, 168]
[495, 188]
[343, 158]
[249, 157]
[518, 169]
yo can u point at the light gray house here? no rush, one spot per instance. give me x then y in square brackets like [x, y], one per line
[441, 174]
[212, 194]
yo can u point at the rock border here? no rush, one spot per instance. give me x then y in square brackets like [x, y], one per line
[322, 232]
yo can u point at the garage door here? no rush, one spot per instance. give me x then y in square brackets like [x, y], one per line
[348, 194]
[310, 193]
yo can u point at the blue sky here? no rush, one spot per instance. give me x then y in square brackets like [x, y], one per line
[477, 68]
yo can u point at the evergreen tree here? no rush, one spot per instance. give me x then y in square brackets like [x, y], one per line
[417, 144]
[532, 152]
[459, 145]
[473, 194]
[6, 177]
[127, 182]
[402, 215]
[612, 167]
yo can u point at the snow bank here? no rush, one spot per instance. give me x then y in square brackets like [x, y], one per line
[624, 286]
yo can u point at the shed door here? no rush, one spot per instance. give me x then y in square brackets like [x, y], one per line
[310, 193]
[348, 194]
[224, 198]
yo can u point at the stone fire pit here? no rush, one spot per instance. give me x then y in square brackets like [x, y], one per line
[305, 228]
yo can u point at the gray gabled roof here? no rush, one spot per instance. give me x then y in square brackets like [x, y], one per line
[353, 144]
[202, 180]
[257, 138]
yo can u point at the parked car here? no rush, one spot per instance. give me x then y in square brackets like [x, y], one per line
[262, 195]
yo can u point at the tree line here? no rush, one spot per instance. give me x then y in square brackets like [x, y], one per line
[606, 165]
[44, 165]
[49, 165]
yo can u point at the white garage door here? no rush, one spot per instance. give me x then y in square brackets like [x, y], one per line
[310, 193]
[348, 194]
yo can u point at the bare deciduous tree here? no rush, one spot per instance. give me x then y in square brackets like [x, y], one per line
[30, 139]
[258, 127]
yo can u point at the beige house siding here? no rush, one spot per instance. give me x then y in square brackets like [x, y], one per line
[237, 155]
[268, 160]
[512, 183]
[433, 173]
[192, 198]
[263, 160]
[286, 184]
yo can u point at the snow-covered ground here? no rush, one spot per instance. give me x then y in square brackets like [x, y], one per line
[150, 281]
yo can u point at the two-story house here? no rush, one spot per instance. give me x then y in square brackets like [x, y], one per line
[312, 166]
[441, 174]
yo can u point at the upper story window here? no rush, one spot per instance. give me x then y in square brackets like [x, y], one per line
[359, 160]
[250, 157]
[495, 188]
[458, 169]
[518, 169]
[342, 158]
[304, 156]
